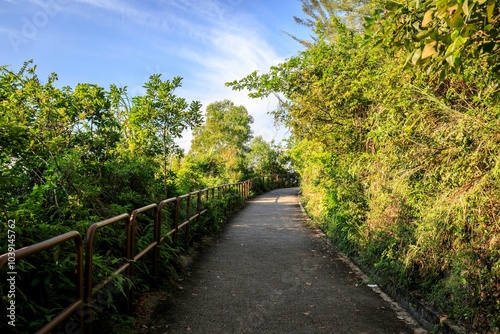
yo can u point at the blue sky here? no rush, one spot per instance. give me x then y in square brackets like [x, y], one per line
[207, 42]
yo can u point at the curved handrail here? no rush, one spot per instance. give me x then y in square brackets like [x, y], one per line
[85, 286]
[44, 245]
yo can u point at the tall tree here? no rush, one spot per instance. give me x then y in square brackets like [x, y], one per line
[266, 158]
[159, 117]
[224, 138]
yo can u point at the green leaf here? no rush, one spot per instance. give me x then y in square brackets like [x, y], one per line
[465, 7]
[468, 30]
[442, 8]
[453, 47]
[489, 10]
[422, 34]
[391, 5]
[35, 282]
[457, 18]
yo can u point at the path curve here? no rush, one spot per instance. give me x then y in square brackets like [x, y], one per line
[268, 273]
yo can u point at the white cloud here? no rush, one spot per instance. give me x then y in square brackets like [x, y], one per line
[231, 50]
[232, 56]
[208, 42]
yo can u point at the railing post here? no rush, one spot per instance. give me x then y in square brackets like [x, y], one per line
[131, 268]
[188, 216]
[232, 196]
[132, 244]
[198, 201]
[76, 305]
[156, 250]
[176, 220]
[89, 254]
[226, 204]
[198, 208]
[242, 192]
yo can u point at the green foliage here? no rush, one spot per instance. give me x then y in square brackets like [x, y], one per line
[159, 117]
[266, 158]
[67, 160]
[440, 35]
[398, 164]
[71, 157]
[222, 142]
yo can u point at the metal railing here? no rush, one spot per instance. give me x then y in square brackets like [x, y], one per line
[50, 243]
[186, 209]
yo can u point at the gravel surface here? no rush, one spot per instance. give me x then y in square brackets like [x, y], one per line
[269, 273]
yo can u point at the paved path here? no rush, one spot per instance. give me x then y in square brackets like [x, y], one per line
[268, 273]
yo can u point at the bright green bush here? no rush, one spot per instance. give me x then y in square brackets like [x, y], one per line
[398, 166]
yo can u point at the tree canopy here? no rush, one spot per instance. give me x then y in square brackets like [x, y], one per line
[222, 142]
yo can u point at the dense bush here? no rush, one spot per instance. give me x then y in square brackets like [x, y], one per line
[71, 157]
[399, 163]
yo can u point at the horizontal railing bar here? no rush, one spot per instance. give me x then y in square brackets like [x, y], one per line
[109, 279]
[47, 244]
[57, 320]
[183, 224]
[146, 208]
[194, 217]
[109, 221]
[38, 247]
[145, 250]
[166, 235]
[169, 200]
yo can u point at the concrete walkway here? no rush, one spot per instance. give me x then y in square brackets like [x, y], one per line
[268, 273]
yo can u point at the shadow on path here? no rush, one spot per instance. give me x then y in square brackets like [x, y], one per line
[268, 273]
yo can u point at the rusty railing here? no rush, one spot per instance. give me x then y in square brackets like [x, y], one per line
[44, 245]
[186, 209]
